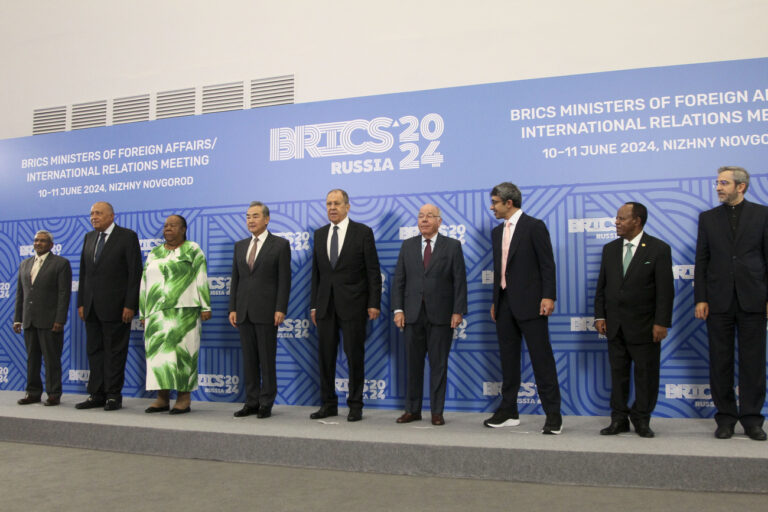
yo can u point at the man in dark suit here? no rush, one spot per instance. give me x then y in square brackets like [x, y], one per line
[523, 298]
[346, 293]
[633, 307]
[429, 297]
[258, 301]
[107, 300]
[42, 304]
[731, 293]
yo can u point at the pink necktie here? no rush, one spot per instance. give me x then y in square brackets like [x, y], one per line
[252, 254]
[504, 254]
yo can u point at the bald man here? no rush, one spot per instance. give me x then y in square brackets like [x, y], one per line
[107, 300]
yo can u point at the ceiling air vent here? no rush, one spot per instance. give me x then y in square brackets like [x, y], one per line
[266, 92]
[49, 120]
[175, 103]
[223, 97]
[131, 109]
[89, 115]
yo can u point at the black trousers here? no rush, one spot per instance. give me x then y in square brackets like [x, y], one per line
[353, 336]
[259, 342]
[510, 332]
[647, 360]
[107, 347]
[45, 344]
[723, 328]
[423, 338]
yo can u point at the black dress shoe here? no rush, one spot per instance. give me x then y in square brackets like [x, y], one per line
[755, 433]
[265, 411]
[437, 419]
[324, 412]
[724, 431]
[28, 400]
[152, 409]
[644, 430]
[246, 411]
[408, 417]
[180, 411]
[355, 415]
[52, 400]
[615, 428]
[91, 403]
[112, 404]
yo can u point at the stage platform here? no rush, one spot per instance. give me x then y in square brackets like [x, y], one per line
[684, 455]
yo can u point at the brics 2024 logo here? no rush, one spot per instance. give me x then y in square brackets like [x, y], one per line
[5, 290]
[417, 140]
[219, 285]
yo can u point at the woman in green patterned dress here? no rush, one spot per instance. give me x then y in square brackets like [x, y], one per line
[173, 301]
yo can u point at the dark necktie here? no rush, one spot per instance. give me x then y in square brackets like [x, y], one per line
[334, 256]
[252, 254]
[427, 253]
[99, 246]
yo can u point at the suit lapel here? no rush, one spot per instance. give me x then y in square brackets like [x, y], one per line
[264, 249]
[522, 224]
[349, 234]
[638, 257]
[109, 243]
[435, 254]
[26, 270]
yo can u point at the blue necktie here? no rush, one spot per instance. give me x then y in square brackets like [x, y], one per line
[99, 246]
[334, 256]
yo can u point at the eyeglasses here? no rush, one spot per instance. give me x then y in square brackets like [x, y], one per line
[494, 202]
[724, 183]
[428, 216]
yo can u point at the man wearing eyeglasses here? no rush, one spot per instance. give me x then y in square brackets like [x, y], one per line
[429, 298]
[731, 294]
[523, 298]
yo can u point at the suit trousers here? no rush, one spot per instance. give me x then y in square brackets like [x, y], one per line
[722, 329]
[259, 342]
[353, 336]
[647, 359]
[107, 347]
[46, 344]
[510, 332]
[423, 338]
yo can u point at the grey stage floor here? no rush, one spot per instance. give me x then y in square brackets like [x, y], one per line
[683, 456]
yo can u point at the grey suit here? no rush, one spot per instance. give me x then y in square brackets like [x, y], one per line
[38, 307]
[428, 298]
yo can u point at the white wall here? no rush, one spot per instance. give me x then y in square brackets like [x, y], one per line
[55, 53]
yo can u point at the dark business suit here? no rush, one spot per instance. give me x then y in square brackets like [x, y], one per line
[105, 288]
[530, 278]
[341, 297]
[38, 307]
[256, 295]
[428, 298]
[631, 304]
[731, 275]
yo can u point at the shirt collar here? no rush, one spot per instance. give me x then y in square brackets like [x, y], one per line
[262, 237]
[109, 230]
[43, 257]
[635, 241]
[342, 224]
[515, 218]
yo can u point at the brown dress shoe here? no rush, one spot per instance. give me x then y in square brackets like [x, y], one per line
[408, 417]
[28, 400]
[437, 419]
[52, 400]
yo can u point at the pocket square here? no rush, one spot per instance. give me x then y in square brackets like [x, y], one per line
[647, 263]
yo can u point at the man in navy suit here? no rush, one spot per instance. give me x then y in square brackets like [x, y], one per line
[731, 293]
[633, 307]
[346, 293]
[523, 298]
[42, 303]
[258, 301]
[429, 298]
[107, 300]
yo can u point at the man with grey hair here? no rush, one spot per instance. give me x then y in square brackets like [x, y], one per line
[258, 302]
[42, 303]
[731, 294]
[523, 298]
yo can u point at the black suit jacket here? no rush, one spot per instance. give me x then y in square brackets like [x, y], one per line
[356, 280]
[46, 302]
[530, 267]
[442, 286]
[725, 261]
[642, 297]
[113, 283]
[261, 292]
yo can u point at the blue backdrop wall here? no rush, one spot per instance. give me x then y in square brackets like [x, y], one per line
[579, 147]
